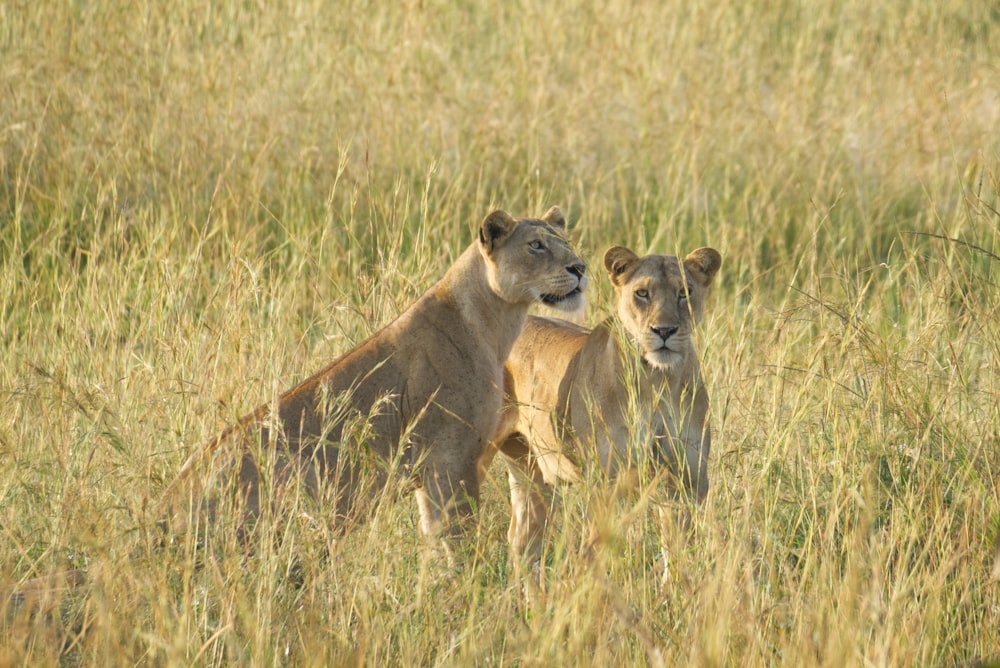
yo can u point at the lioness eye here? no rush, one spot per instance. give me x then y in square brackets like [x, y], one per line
[536, 245]
[642, 294]
[681, 298]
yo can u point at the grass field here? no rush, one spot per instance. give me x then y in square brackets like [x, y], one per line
[202, 203]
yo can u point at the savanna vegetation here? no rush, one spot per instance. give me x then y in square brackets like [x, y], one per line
[202, 203]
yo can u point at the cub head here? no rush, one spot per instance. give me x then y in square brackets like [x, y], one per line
[661, 298]
[530, 260]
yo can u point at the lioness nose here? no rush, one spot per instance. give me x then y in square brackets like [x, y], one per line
[578, 269]
[664, 332]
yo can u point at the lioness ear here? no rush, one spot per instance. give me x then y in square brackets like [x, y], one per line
[554, 217]
[703, 264]
[495, 228]
[617, 260]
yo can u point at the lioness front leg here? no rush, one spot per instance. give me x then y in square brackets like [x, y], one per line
[447, 497]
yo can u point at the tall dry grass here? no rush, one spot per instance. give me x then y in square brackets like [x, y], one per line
[200, 203]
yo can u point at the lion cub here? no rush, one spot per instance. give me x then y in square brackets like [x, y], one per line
[627, 394]
[419, 400]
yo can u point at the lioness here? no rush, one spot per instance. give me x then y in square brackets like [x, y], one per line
[627, 392]
[423, 395]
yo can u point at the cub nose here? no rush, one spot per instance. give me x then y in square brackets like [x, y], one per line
[664, 332]
[578, 269]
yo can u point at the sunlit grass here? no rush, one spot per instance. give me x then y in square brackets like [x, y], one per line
[201, 205]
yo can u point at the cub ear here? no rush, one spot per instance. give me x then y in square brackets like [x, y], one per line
[496, 227]
[617, 261]
[703, 264]
[554, 217]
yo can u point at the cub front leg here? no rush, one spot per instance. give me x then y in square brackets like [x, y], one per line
[697, 438]
[528, 498]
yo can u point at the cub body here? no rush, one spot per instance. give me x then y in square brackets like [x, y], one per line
[626, 395]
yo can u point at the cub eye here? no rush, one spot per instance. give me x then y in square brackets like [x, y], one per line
[642, 293]
[535, 244]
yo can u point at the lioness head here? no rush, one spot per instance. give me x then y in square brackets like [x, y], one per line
[661, 298]
[530, 260]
